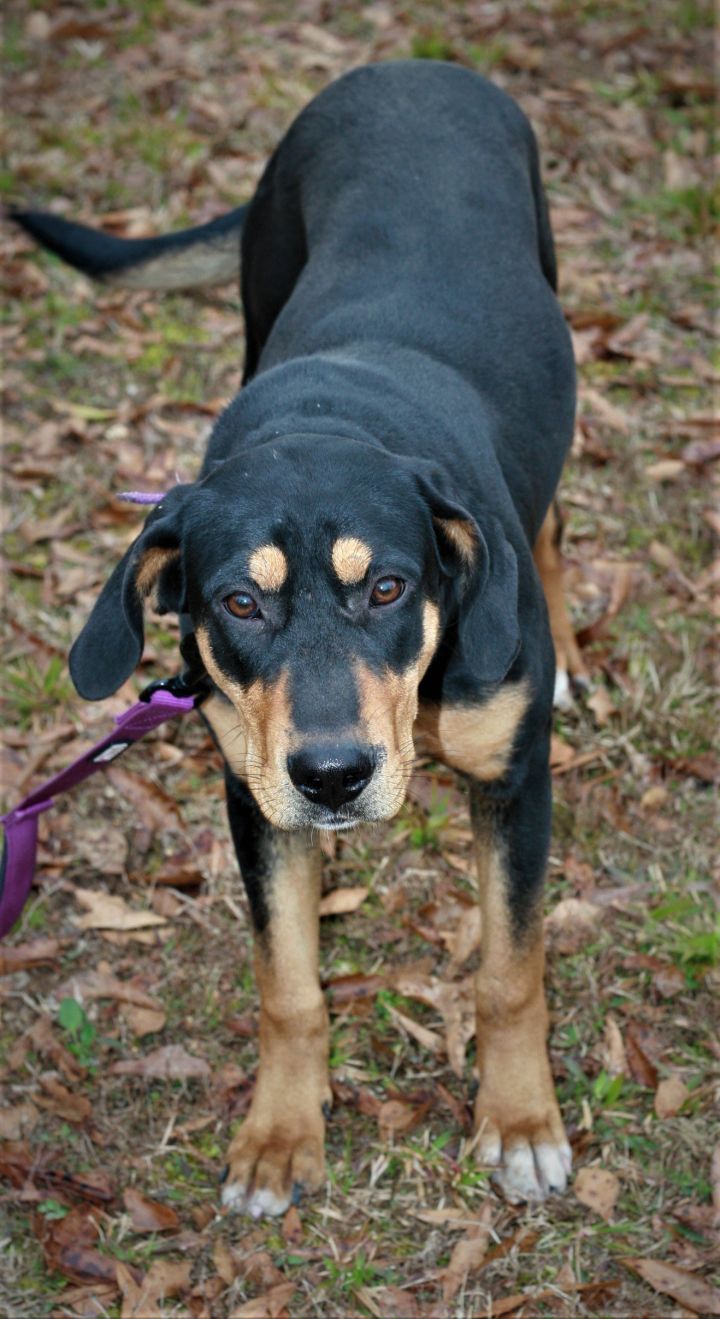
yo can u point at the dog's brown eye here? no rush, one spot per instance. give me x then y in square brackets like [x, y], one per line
[387, 591]
[241, 605]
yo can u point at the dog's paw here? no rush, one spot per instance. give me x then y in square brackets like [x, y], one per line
[270, 1169]
[528, 1152]
[525, 1169]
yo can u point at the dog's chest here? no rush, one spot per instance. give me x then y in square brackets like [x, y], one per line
[475, 739]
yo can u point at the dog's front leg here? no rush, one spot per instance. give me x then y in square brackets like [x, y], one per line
[279, 1150]
[518, 1127]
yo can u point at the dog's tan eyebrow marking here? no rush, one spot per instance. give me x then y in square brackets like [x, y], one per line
[268, 567]
[351, 559]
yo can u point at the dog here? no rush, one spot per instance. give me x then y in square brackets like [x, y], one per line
[367, 565]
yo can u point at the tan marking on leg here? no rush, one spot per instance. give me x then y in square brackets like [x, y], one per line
[151, 565]
[351, 559]
[280, 1143]
[548, 562]
[388, 707]
[257, 744]
[268, 567]
[517, 1119]
[462, 536]
[477, 740]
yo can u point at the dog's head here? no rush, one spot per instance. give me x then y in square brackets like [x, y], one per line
[320, 577]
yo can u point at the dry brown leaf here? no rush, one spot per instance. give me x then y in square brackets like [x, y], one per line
[164, 1279]
[292, 1228]
[101, 984]
[468, 1255]
[560, 752]
[613, 416]
[17, 1121]
[691, 1291]
[342, 901]
[670, 1096]
[598, 1188]
[667, 469]
[396, 1115]
[60, 1101]
[149, 1215]
[614, 1057]
[454, 1001]
[171, 1063]
[429, 1039]
[225, 1261]
[642, 1069]
[654, 798]
[602, 706]
[143, 1021]
[273, 1305]
[38, 952]
[395, 1303]
[571, 925]
[451, 1218]
[106, 911]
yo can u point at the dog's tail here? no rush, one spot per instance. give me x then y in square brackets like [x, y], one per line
[206, 254]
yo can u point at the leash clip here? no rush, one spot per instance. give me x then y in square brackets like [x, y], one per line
[181, 685]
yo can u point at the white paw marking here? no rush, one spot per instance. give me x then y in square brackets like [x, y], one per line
[257, 1204]
[532, 1173]
[562, 696]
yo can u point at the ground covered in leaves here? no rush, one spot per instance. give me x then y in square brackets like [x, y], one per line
[128, 1009]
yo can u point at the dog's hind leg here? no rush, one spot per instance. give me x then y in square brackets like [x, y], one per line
[518, 1128]
[570, 667]
[279, 1150]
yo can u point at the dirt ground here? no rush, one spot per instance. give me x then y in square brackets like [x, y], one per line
[127, 1054]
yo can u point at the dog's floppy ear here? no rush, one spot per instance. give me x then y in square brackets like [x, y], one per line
[484, 572]
[111, 643]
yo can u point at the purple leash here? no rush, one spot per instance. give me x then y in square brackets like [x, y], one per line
[160, 701]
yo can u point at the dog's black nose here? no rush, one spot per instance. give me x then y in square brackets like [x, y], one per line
[331, 775]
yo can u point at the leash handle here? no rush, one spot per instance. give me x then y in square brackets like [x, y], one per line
[158, 702]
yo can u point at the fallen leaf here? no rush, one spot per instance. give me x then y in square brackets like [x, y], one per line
[669, 981]
[342, 901]
[38, 952]
[270, 1306]
[667, 469]
[642, 1069]
[670, 1096]
[68, 1246]
[429, 1039]
[292, 1228]
[396, 1303]
[396, 1115]
[171, 1063]
[149, 1215]
[691, 1291]
[163, 1280]
[468, 1255]
[598, 1188]
[226, 1261]
[106, 911]
[101, 984]
[654, 798]
[61, 1101]
[571, 924]
[143, 1021]
[602, 706]
[614, 1057]
[17, 1121]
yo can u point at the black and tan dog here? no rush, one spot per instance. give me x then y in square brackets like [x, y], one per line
[356, 565]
